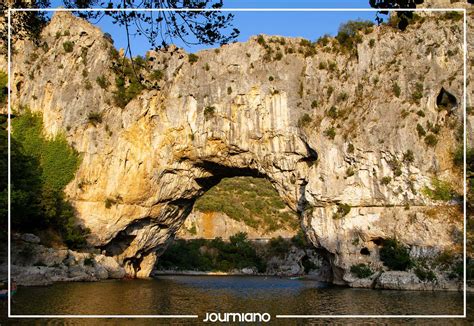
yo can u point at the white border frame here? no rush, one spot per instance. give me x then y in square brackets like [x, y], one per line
[463, 10]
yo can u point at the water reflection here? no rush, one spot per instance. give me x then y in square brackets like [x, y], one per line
[198, 295]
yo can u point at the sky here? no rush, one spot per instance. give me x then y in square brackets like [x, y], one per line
[310, 25]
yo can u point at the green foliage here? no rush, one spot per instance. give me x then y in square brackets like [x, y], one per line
[421, 131]
[440, 190]
[361, 271]
[156, 75]
[314, 104]
[304, 120]
[209, 112]
[350, 148]
[417, 93]
[261, 40]
[348, 35]
[425, 274]
[371, 43]
[253, 201]
[57, 160]
[126, 91]
[396, 89]
[330, 133]
[41, 169]
[192, 58]
[212, 255]
[278, 247]
[431, 140]
[102, 82]
[386, 180]
[89, 261]
[395, 255]
[68, 46]
[342, 210]
[229, 90]
[3, 87]
[408, 156]
[95, 118]
[332, 112]
[349, 172]
[420, 113]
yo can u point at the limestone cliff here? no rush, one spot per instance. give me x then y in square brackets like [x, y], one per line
[330, 130]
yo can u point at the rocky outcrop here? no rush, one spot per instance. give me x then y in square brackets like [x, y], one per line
[35, 264]
[331, 130]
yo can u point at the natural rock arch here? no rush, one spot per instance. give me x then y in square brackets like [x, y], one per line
[328, 130]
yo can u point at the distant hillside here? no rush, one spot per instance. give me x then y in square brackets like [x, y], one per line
[250, 200]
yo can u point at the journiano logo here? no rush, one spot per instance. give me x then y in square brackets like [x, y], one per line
[251, 317]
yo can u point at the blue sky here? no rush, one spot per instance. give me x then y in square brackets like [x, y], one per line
[310, 25]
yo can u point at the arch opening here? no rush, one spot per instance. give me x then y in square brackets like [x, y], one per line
[242, 225]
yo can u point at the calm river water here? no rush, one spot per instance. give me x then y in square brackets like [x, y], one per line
[197, 295]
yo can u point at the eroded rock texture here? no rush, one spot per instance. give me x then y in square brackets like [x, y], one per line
[326, 129]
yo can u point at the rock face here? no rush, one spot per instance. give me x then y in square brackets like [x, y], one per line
[34, 264]
[327, 129]
[210, 225]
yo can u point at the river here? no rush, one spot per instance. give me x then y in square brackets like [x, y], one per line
[183, 295]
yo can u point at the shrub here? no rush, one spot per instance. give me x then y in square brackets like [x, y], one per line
[421, 131]
[304, 120]
[3, 86]
[431, 140]
[332, 112]
[94, 118]
[42, 169]
[229, 90]
[330, 133]
[314, 104]
[425, 274]
[342, 97]
[395, 255]
[396, 89]
[209, 112]
[89, 261]
[349, 172]
[348, 32]
[192, 58]
[361, 271]
[271, 78]
[126, 92]
[87, 84]
[418, 92]
[386, 180]
[420, 113]
[350, 148]
[408, 156]
[68, 46]
[109, 202]
[261, 40]
[371, 43]
[156, 75]
[342, 210]
[440, 190]
[102, 82]
[278, 247]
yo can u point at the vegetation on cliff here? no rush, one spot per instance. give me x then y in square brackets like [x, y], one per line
[251, 200]
[41, 168]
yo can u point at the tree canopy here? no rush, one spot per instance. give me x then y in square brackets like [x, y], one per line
[160, 28]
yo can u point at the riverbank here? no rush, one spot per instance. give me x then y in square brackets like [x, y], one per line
[34, 264]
